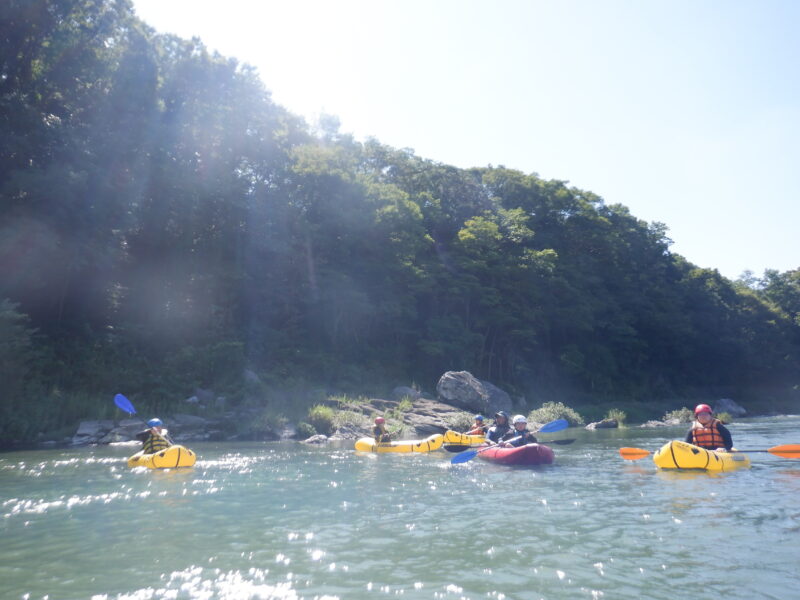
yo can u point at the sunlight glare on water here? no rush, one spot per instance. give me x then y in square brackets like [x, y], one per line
[287, 521]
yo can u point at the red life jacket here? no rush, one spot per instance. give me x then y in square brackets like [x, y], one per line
[707, 437]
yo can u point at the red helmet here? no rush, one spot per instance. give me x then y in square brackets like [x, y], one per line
[380, 421]
[701, 408]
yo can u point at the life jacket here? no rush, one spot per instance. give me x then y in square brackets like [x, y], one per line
[155, 443]
[496, 432]
[481, 430]
[707, 437]
[381, 436]
[520, 437]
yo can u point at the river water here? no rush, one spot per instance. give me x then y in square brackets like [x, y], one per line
[287, 521]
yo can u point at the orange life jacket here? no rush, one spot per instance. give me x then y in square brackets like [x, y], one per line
[707, 437]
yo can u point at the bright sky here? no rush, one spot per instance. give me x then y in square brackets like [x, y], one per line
[685, 111]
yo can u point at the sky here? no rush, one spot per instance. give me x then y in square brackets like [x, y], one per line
[685, 111]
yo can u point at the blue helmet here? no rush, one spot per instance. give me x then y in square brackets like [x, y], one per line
[479, 417]
[155, 423]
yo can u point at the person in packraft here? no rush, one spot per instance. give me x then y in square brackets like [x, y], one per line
[478, 427]
[707, 431]
[154, 438]
[379, 431]
[500, 427]
[519, 434]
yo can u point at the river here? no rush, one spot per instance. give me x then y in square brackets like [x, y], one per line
[282, 520]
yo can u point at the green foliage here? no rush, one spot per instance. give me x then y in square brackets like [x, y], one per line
[199, 229]
[460, 421]
[405, 405]
[349, 418]
[550, 411]
[305, 430]
[346, 402]
[724, 417]
[321, 418]
[618, 415]
[683, 415]
[261, 426]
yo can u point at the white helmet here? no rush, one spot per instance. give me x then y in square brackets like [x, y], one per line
[519, 419]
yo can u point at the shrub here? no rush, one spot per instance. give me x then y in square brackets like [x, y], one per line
[550, 411]
[460, 421]
[405, 405]
[305, 430]
[344, 401]
[683, 415]
[725, 417]
[321, 418]
[349, 418]
[618, 415]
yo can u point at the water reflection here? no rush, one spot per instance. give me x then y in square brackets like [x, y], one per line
[284, 521]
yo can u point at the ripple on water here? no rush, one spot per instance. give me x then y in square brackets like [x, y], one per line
[272, 521]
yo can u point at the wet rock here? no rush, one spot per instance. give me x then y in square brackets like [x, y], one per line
[462, 389]
[318, 440]
[604, 424]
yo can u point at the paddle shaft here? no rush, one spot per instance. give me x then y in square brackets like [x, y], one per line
[784, 451]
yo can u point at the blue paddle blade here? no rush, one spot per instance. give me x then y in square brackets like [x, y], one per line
[463, 457]
[125, 404]
[554, 426]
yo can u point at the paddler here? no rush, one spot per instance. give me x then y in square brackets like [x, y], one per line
[478, 427]
[379, 431]
[709, 432]
[500, 427]
[154, 438]
[519, 435]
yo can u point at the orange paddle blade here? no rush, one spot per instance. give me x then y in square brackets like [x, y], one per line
[633, 453]
[786, 450]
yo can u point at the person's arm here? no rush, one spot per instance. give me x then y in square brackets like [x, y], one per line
[689, 437]
[726, 436]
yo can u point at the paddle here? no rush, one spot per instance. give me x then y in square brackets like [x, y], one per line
[550, 427]
[124, 404]
[784, 451]
[462, 447]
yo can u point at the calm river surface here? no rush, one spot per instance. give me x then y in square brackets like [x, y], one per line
[287, 521]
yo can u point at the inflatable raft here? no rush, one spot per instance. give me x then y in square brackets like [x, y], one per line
[454, 437]
[169, 458]
[529, 454]
[429, 444]
[680, 455]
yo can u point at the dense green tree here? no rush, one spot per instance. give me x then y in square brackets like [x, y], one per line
[166, 225]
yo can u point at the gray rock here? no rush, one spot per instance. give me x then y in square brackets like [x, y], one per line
[604, 424]
[729, 406]
[318, 439]
[668, 423]
[462, 389]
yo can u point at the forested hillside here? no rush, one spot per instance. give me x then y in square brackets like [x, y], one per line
[165, 226]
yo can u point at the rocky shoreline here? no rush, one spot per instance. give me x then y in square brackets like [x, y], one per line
[459, 395]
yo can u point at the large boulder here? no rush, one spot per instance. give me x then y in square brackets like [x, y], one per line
[729, 406]
[462, 389]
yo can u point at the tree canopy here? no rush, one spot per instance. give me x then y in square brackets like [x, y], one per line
[165, 225]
